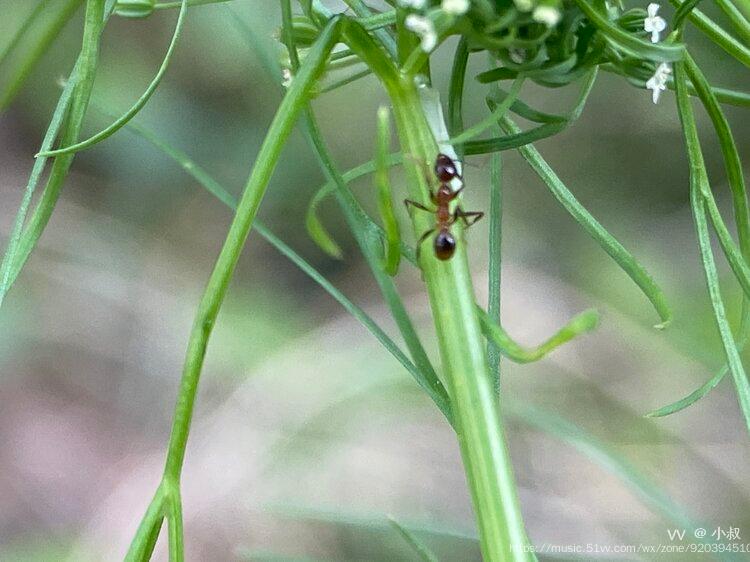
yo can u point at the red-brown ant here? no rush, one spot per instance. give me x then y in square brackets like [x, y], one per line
[444, 244]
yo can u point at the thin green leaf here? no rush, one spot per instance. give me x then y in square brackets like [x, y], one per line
[629, 43]
[346, 80]
[736, 18]
[519, 107]
[43, 39]
[495, 263]
[580, 324]
[522, 138]
[314, 225]
[495, 245]
[456, 89]
[383, 35]
[138, 105]
[691, 398]
[491, 120]
[84, 73]
[9, 259]
[698, 185]
[191, 3]
[378, 21]
[738, 262]
[682, 12]
[511, 142]
[392, 250]
[607, 242]
[318, 232]
[717, 34]
[732, 161]
[424, 553]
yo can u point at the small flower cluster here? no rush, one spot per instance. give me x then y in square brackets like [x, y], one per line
[655, 24]
[424, 26]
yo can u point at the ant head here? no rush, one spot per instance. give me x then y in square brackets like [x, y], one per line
[445, 168]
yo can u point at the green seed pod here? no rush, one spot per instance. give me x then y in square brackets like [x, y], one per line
[134, 8]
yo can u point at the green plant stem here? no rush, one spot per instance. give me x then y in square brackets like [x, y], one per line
[218, 282]
[148, 529]
[476, 410]
[246, 209]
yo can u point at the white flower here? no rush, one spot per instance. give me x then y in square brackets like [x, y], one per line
[548, 15]
[658, 82]
[455, 7]
[286, 76]
[416, 4]
[653, 23]
[423, 27]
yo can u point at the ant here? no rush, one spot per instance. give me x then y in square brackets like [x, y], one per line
[444, 243]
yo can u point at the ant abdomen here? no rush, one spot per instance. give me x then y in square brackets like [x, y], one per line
[445, 245]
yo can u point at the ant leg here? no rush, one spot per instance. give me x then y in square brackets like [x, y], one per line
[408, 202]
[422, 239]
[469, 217]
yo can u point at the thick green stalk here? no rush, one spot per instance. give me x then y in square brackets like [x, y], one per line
[476, 410]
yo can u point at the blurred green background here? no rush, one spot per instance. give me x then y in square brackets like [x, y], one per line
[307, 433]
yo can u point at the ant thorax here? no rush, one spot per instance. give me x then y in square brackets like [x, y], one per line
[443, 196]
